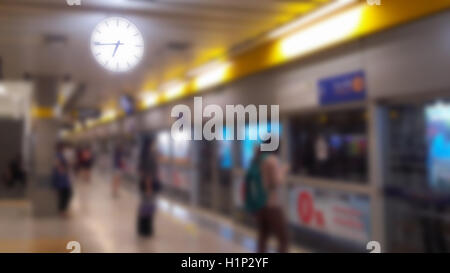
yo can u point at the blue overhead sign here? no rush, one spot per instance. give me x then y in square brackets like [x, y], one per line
[343, 88]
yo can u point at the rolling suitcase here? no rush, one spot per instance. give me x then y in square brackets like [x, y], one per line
[145, 218]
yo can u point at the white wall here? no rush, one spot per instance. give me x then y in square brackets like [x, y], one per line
[15, 99]
[15, 103]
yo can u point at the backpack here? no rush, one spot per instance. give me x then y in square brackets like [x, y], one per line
[60, 180]
[255, 194]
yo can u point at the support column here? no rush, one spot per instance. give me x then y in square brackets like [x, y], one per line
[44, 138]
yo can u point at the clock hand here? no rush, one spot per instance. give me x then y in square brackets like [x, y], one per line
[115, 49]
[98, 43]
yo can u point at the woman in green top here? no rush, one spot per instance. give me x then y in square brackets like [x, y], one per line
[263, 181]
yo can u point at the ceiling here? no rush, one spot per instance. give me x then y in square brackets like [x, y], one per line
[179, 35]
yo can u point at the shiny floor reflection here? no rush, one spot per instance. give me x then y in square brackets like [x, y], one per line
[102, 223]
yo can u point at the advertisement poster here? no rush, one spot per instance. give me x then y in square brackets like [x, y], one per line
[181, 171]
[181, 149]
[163, 145]
[343, 88]
[226, 151]
[341, 215]
[438, 140]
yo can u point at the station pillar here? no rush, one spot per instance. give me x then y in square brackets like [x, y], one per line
[43, 142]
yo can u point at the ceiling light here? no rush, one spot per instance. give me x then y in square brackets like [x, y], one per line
[325, 10]
[149, 98]
[204, 68]
[213, 76]
[109, 115]
[321, 34]
[174, 89]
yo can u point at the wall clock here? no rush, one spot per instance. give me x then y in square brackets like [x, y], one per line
[117, 44]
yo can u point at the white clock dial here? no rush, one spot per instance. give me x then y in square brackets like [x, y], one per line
[117, 44]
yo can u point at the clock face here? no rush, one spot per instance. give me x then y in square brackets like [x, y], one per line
[117, 44]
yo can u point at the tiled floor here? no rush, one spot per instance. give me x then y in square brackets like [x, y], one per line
[101, 223]
[105, 224]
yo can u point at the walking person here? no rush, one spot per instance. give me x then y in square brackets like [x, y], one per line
[119, 169]
[61, 181]
[263, 181]
[149, 186]
[86, 164]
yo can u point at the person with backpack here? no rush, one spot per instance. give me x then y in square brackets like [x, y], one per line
[263, 181]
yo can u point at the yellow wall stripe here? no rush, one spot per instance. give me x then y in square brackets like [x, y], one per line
[42, 112]
[371, 19]
[356, 21]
